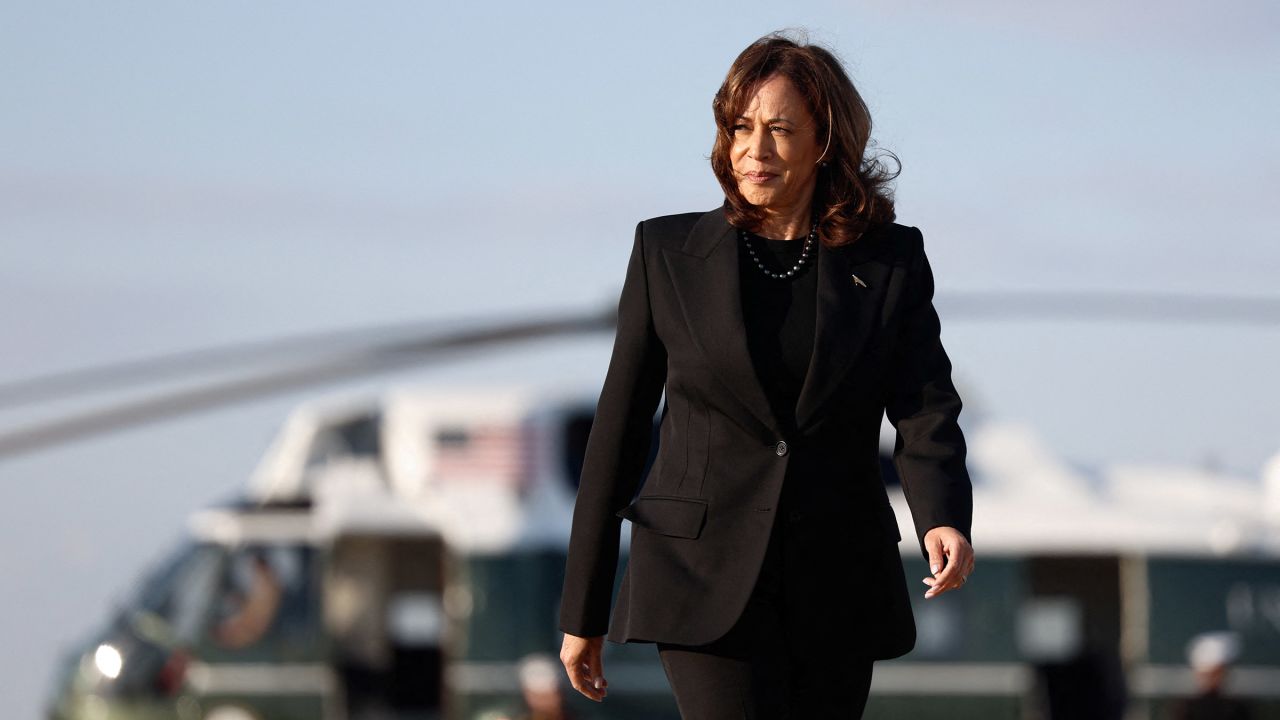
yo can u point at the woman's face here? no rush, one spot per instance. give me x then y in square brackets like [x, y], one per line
[775, 148]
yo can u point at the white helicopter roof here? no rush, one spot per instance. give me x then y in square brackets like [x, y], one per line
[1027, 499]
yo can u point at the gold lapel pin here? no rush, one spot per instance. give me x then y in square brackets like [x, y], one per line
[858, 281]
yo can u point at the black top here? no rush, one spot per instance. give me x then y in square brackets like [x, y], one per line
[780, 316]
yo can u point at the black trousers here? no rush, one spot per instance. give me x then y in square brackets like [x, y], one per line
[774, 662]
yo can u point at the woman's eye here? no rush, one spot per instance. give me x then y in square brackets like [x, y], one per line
[778, 129]
[737, 128]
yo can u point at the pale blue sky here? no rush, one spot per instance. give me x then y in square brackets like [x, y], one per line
[182, 175]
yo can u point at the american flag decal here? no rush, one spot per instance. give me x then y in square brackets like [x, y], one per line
[488, 452]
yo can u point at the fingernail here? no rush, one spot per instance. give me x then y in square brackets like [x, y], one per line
[597, 683]
[934, 568]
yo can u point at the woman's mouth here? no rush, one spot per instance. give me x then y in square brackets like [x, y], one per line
[759, 177]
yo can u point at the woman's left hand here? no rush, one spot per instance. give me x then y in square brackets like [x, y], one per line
[950, 553]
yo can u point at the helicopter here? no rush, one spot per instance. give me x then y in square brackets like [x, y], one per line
[398, 554]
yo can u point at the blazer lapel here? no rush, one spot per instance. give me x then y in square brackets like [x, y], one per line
[704, 272]
[705, 275]
[845, 319]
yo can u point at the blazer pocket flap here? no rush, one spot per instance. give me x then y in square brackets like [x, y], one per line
[675, 516]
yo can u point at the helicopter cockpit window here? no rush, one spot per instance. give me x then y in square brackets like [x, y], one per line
[264, 598]
[357, 438]
[156, 588]
[177, 592]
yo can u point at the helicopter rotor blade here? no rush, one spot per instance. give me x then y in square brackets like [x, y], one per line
[116, 376]
[1114, 307]
[969, 306]
[359, 362]
[351, 354]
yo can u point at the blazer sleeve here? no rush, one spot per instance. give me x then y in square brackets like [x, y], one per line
[617, 448]
[924, 407]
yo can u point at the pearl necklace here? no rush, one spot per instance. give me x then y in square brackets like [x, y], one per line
[804, 254]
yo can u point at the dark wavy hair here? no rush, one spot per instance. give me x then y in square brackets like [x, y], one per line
[852, 188]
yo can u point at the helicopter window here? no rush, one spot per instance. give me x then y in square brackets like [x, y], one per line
[192, 592]
[264, 597]
[177, 590]
[452, 438]
[357, 438]
[156, 587]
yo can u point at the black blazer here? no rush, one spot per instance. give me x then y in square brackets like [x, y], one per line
[701, 521]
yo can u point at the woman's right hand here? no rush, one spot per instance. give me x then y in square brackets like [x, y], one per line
[582, 660]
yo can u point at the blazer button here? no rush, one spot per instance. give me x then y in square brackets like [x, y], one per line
[781, 448]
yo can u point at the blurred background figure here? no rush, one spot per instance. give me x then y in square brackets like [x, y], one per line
[541, 695]
[1210, 656]
[250, 611]
[540, 688]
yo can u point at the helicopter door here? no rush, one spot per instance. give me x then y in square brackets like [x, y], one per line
[1070, 631]
[384, 613]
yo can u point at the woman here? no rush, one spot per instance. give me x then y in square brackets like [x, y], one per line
[764, 561]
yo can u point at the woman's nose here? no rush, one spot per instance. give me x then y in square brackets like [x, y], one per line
[758, 146]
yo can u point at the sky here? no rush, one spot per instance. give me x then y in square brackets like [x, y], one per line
[180, 176]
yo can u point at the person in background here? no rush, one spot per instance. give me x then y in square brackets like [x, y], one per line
[1210, 656]
[254, 608]
[540, 692]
